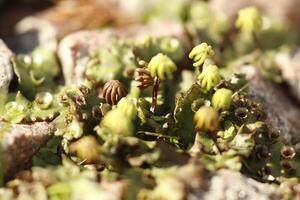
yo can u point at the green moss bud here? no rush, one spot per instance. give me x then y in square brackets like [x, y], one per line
[14, 112]
[249, 20]
[222, 99]
[46, 60]
[128, 107]
[87, 149]
[209, 77]
[172, 47]
[73, 130]
[44, 100]
[162, 67]
[169, 187]
[117, 122]
[200, 53]
[60, 190]
[144, 42]
[206, 119]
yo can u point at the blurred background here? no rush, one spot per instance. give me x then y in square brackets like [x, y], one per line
[25, 24]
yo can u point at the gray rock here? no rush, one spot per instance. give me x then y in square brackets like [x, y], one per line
[32, 32]
[46, 27]
[289, 64]
[6, 73]
[74, 50]
[231, 185]
[281, 112]
[19, 142]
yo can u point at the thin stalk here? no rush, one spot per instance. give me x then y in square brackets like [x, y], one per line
[200, 68]
[256, 40]
[154, 94]
[214, 138]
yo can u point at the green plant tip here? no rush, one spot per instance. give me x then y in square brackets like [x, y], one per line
[249, 20]
[118, 123]
[128, 107]
[87, 149]
[44, 100]
[209, 77]
[200, 53]
[206, 119]
[222, 99]
[162, 66]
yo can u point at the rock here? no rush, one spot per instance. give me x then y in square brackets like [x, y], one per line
[32, 32]
[6, 73]
[289, 64]
[282, 10]
[74, 50]
[281, 112]
[45, 27]
[231, 185]
[19, 142]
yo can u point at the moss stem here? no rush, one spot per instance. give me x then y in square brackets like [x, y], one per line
[154, 94]
[256, 40]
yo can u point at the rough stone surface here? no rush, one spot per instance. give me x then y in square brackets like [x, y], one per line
[281, 111]
[289, 64]
[6, 73]
[20, 142]
[231, 185]
[32, 32]
[6, 70]
[44, 28]
[74, 49]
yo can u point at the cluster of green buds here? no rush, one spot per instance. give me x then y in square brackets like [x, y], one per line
[162, 66]
[209, 77]
[125, 113]
[147, 47]
[206, 119]
[36, 71]
[14, 112]
[43, 107]
[222, 99]
[249, 20]
[78, 106]
[114, 62]
[200, 53]
[128, 107]
[87, 149]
